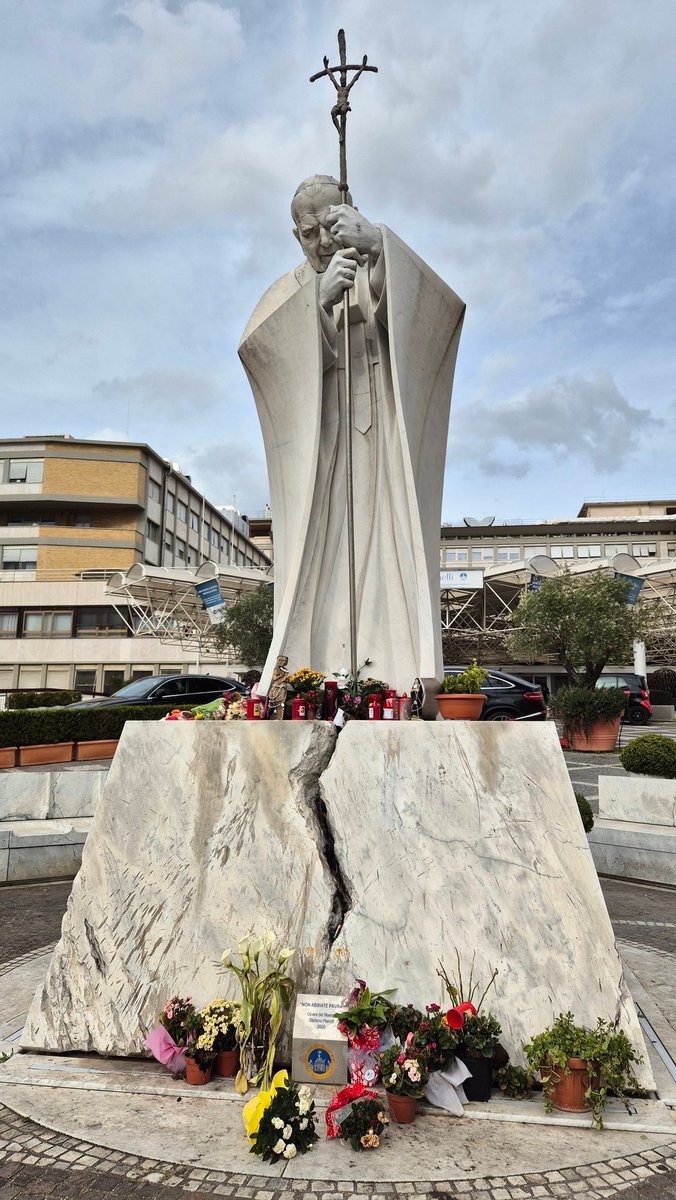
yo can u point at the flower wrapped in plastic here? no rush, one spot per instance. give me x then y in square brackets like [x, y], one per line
[356, 1115]
[363, 1022]
[281, 1122]
[168, 1040]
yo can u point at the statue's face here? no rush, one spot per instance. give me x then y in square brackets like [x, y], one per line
[311, 213]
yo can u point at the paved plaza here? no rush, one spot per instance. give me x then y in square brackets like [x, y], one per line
[75, 1136]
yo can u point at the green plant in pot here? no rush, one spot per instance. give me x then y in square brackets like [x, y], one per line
[266, 993]
[221, 1019]
[590, 716]
[479, 1031]
[200, 1051]
[579, 1067]
[461, 698]
[405, 1076]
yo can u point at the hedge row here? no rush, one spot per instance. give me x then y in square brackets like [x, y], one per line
[41, 699]
[46, 726]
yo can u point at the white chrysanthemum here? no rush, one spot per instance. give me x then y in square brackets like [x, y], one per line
[304, 1107]
[304, 1123]
[277, 1123]
[286, 1132]
[279, 1146]
[290, 1151]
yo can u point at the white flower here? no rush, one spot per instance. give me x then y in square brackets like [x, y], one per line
[290, 1151]
[304, 1092]
[304, 1106]
[278, 1147]
[277, 1122]
[393, 1077]
[286, 1132]
[304, 1123]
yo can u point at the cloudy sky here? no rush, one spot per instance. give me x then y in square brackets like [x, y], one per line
[524, 148]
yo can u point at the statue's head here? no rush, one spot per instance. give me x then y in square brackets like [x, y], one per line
[310, 210]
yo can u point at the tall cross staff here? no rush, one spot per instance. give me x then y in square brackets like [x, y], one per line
[339, 117]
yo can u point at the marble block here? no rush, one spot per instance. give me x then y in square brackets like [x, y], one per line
[24, 795]
[378, 855]
[637, 798]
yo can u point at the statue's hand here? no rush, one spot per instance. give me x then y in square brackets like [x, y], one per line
[339, 276]
[350, 228]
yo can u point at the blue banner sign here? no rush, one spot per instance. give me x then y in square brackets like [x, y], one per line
[635, 589]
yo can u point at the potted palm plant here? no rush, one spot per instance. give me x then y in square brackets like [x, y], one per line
[461, 698]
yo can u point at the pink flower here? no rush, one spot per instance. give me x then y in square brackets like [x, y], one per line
[400, 1058]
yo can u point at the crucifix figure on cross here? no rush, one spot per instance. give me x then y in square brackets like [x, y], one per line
[342, 106]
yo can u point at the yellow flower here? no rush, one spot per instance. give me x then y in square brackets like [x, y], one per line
[370, 1140]
[253, 1110]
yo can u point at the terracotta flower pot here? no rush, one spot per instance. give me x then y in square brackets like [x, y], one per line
[461, 706]
[601, 736]
[567, 1091]
[32, 756]
[402, 1108]
[227, 1063]
[193, 1074]
[103, 748]
[7, 756]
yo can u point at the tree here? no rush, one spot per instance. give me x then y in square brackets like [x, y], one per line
[584, 621]
[246, 625]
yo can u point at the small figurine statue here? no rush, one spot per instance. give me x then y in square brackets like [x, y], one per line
[417, 700]
[278, 689]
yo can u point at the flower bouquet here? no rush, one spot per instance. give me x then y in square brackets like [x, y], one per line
[221, 1020]
[200, 1051]
[356, 1116]
[362, 1022]
[167, 1041]
[280, 1122]
[405, 1077]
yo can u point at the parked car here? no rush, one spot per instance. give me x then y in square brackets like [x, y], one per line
[508, 698]
[639, 711]
[184, 691]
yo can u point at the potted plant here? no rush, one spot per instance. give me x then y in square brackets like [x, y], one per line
[479, 1032]
[461, 698]
[405, 1076]
[580, 1066]
[366, 1015]
[362, 1123]
[168, 1040]
[199, 1052]
[266, 992]
[515, 1082]
[590, 716]
[221, 1020]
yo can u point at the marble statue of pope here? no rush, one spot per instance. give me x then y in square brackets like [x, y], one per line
[405, 327]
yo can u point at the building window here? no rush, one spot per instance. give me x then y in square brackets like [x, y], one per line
[508, 553]
[482, 554]
[171, 502]
[180, 549]
[19, 558]
[191, 557]
[99, 622]
[616, 548]
[48, 624]
[8, 624]
[113, 678]
[671, 549]
[82, 521]
[181, 511]
[154, 490]
[644, 550]
[225, 548]
[152, 531]
[214, 537]
[563, 552]
[531, 551]
[455, 556]
[588, 551]
[194, 521]
[168, 544]
[25, 470]
[85, 680]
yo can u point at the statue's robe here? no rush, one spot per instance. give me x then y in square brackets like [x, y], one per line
[405, 327]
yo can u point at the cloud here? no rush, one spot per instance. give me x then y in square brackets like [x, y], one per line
[586, 419]
[230, 472]
[171, 393]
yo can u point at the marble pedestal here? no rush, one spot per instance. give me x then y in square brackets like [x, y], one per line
[377, 854]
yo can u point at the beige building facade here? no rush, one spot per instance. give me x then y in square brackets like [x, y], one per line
[73, 512]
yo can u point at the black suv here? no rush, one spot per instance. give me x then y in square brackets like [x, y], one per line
[508, 698]
[183, 691]
[639, 711]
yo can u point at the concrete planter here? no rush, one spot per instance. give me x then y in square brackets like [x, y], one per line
[103, 748]
[32, 756]
[664, 712]
[7, 757]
